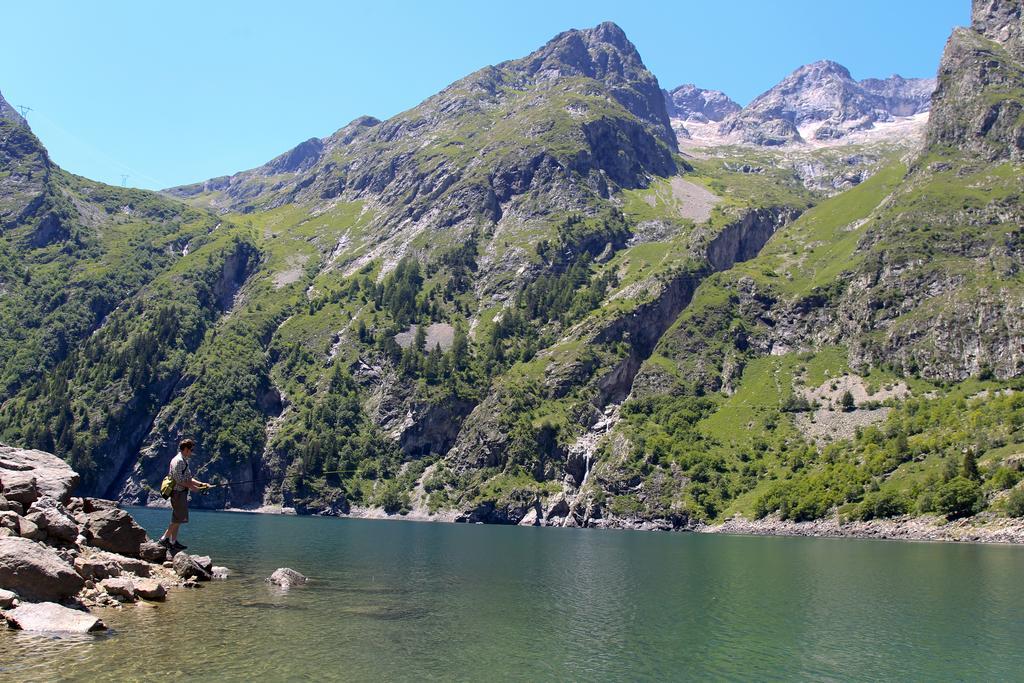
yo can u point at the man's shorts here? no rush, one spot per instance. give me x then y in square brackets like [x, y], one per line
[179, 507]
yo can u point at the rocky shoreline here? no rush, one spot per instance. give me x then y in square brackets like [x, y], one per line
[980, 529]
[984, 528]
[60, 555]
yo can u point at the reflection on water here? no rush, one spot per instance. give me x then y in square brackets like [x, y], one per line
[408, 601]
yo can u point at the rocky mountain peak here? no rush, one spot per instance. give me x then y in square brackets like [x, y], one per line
[1001, 21]
[824, 99]
[690, 103]
[603, 52]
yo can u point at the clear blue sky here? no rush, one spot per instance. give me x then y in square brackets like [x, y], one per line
[175, 92]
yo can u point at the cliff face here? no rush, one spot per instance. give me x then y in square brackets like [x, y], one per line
[977, 105]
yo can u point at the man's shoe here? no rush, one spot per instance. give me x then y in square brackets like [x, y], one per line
[165, 543]
[178, 546]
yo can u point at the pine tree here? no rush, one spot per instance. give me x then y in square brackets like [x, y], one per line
[970, 465]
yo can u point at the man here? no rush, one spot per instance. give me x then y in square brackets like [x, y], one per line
[183, 483]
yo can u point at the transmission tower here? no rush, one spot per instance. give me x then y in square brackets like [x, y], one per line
[124, 180]
[24, 110]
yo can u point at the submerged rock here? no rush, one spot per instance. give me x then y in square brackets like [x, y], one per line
[286, 577]
[36, 571]
[51, 617]
[220, 572]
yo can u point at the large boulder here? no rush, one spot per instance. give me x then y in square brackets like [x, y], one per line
[286, 577]
[187, 568]
[115, 530]
[57, 524]
[36, 571]
[53, 618]
[53, 477]
[22, 491]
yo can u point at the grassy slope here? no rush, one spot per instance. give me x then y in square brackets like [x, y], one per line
[754, 442]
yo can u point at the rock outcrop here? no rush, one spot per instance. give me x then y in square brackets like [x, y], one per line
[977, 106]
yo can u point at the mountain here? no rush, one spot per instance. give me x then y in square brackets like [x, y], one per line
[518, 302]
[977, 105]
[690, 103]
[826, 102]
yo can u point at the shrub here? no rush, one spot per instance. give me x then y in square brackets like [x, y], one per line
[881, 504]
[1015, 503]
[959, 497]
[1003, 478]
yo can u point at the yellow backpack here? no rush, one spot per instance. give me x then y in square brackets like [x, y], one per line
[167, 487]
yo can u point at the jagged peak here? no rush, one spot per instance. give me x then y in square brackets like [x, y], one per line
[822, 68]
[601, 52]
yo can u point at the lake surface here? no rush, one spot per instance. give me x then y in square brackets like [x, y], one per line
[416, 601]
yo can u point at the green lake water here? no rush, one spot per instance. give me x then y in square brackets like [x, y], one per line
[401, 601]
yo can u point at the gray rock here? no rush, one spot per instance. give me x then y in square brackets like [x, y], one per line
[114, 530]
[51, 617]
[150, 589]
[7, 598]
[286, 577]
[24, 490]
[120, 587]
[188, 568]
[57, 524]
[220, 572]
[9, 520]
[30, 530]
[151, 551]
[95, 568]
[53, 477]
[4, 503]
[204, 561]
[36, 571]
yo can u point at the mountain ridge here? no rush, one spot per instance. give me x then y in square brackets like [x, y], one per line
[518, 302]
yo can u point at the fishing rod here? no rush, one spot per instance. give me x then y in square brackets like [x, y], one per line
[350, 470]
